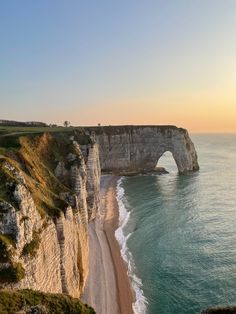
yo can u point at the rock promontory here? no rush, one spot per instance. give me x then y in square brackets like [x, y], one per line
[138, 148]
[50, 191]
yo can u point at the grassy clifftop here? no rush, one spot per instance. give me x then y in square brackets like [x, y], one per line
[30, 160]
[36, 154]
[28, 301]
[9, 135]
[35, 158]
[29, 157]
[122, 129]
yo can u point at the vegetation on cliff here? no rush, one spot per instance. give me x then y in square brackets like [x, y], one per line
[29, 157]
[121, 129]
[9, 135]
[36, 155]
[6, 248]
[29, 301]
[12, 273]
[43, 177]
[30, 249]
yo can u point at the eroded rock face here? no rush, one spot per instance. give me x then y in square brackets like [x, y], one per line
[93, 180]
[51, 247]
[57, 248]
[138, 148]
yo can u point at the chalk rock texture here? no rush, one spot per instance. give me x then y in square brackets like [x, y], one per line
[53, 250]
[138, 148]
[50, 192]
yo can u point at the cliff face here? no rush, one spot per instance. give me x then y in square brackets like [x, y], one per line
[138, 148]
[49, 191]
[45, 208]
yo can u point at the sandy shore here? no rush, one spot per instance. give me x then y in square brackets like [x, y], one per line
[108, 288]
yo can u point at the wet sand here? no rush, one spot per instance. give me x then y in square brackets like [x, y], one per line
[107, 288]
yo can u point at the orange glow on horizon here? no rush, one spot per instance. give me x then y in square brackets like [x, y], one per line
[197, 113]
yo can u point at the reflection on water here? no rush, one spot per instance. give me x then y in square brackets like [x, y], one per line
[184, 239]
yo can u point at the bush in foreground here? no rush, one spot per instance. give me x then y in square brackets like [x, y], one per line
[29, 301]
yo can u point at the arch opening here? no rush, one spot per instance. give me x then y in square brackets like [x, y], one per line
[167, 162]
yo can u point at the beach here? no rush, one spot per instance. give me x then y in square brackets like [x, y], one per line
[107, 289]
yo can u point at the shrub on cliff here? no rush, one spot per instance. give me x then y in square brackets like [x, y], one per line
[12, 273]
[6, 248]
[29, 301]
[30, 249]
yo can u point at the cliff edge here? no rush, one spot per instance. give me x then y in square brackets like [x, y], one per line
[49, 191]
[125, 149]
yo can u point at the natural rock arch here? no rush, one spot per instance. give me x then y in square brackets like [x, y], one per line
[138, 148]
[167, 162]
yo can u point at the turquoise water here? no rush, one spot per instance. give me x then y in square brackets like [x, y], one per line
[182, 231]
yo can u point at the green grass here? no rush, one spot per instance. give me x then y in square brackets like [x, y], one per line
[6, 248]
[36, 154]
[9, 141]
[9, 135]
[36, 157]
[14, 301]
[6, 130]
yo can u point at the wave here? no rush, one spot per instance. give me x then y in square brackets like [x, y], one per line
[140, 304]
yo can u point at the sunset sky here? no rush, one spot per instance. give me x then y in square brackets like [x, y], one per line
[120, 62]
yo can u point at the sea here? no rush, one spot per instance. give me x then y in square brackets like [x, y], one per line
[177, 233]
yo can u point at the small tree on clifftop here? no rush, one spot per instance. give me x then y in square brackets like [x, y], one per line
[66, 123]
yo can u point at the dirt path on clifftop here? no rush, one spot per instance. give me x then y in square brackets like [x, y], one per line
[108, 288]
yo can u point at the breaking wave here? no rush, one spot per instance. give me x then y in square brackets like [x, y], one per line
[140, 304]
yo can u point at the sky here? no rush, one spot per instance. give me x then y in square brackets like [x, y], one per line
[119, 62]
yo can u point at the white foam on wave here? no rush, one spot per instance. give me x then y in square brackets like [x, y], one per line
[140, 304]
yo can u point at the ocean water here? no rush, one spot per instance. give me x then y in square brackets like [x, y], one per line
[178, 233]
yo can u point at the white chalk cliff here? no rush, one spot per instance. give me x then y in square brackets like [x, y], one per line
[53, 251]
[49, 191]
[138, 148]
